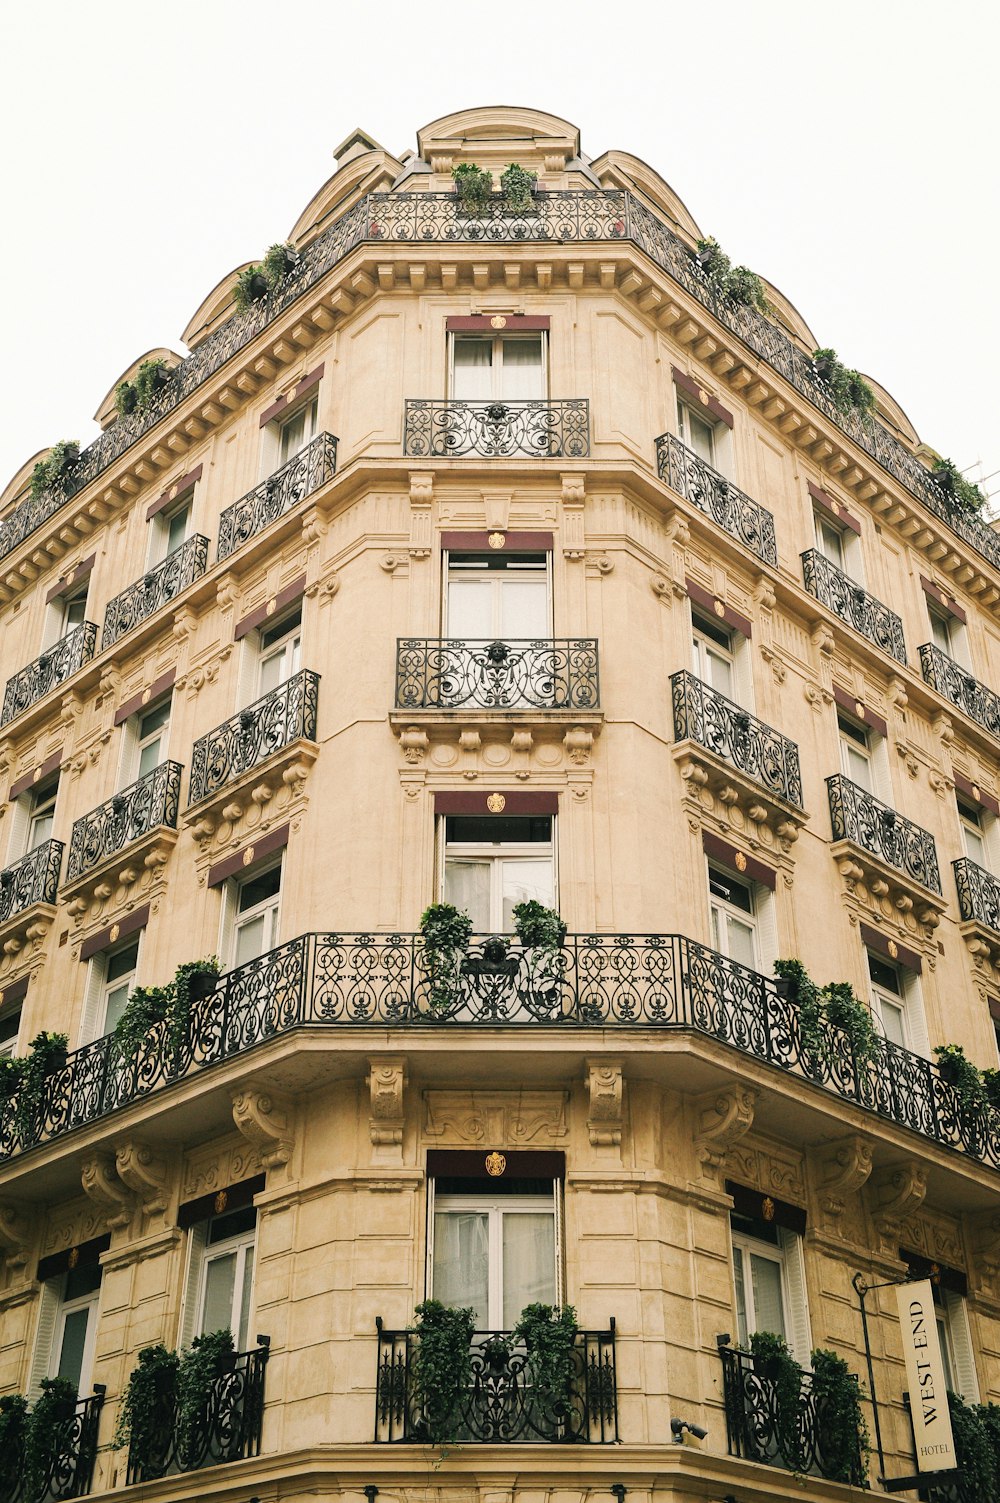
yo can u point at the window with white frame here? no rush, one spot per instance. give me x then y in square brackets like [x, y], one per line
[947, 632]
[502, 367]
[493, 862]
[494, 1248]
[279, 653]
[742, 918]
[708, 439]
[219, 1294]
[769, 1283]
[65, 613]
[896, 1003]
[110, 982]
[33, 818]
[715, 656]
[74, 1334]
[251, 912]
[144, 741]
[839, 544]
[169, 529]
[10, 1027]
[493, 597]
[978, 831]
[289, 433]
[864, 756]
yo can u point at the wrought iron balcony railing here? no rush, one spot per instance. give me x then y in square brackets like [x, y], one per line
[32, 879]
[552, 674]
[536, 429]
[145, 805]
[157, 588]
[838, 592]
[264, 727]
[227, 1428]
[858, 815]
[312, 467]
[764, 1423]
[502, 1402]
[50, 668]
[978, 894]
[65, 1469]
[733, 510]
[573, 215]
[965, 692]
[703, 715]
[383, 981]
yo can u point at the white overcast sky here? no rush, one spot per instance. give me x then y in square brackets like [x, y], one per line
[846, 151]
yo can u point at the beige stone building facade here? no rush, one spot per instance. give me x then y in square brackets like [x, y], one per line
[487, 557]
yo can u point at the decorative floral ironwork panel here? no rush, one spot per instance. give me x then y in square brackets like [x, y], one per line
[732, 509]
[858, 815]
[228, 1427]
[32, 879]
[49, 669]
[312, 467]
[145, 805]
[957, 684]
[839, 593]
[494, 430]
[721, 726]
[264, 727]
[552, 674]
[764, 1423]
[155, 590]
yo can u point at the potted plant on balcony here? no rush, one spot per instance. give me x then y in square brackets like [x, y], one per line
[738, 285]
[473, 185]
[47, 1423]
[797, 986]
[441, 1367]
[256, 281]
[446, 933]
[146, 1007]
[975, 1448]
[13, 1427]
[146, 1410]
[549, 1335]
[542, 933]
[844, 1438]
[194, 981]
[960, 495]
[846, 388]
[843, 1010]
[991, 1085]
[774, 1362]
[518, 188]
[47, 1054]
[52, 473]
[962, 1075]
[200, 1366]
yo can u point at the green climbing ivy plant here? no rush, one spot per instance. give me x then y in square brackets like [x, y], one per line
[200, 1365]
[150, 1006]
[446, 933]
[549, 1335]
[962, 1074]
[47, 1053]
[738, 285]
[151, 1390]
[52, 473]
[50, 1412]
[846, 388]
[846, 1442]
[441, 1366]
[821, 1009]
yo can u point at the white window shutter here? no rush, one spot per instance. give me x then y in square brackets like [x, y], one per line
[197, 1241]
[881, 778]
[743, 670]
[429, 1291]
[20, 814]
[799, 1335]
[916, 1022]
[767, 928]
[93, 997]
[49, 1302]
[246, 688]
[961, 1346]
[557, 1203]
[227, 922]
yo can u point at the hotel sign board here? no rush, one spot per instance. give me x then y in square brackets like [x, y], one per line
[925, 1379]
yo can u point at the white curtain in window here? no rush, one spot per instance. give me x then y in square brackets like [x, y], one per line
[529, 1261]
[473, 374]
[462, 1262]
[522, 369]
[467, 885]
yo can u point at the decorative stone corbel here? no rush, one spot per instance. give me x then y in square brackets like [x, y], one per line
[722, 1117]
[578, 743]
[99, 1177]
[15, 1233]
[413, 743]
[605, 1089]
[264, 1117]
[144, 1172]
[985, 1248]
[842, 1169]
[386, 1085]
[899, 1193]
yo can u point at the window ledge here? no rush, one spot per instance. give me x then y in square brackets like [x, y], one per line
[253, 800]
[133, 867]
[710, 780]
[892, 890]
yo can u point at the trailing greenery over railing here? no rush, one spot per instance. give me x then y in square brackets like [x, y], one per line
[387, 981]
[574, 215]
[47, 1451]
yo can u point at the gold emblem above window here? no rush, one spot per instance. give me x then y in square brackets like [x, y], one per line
[220, 1202]
[496, 1163]
[498, 321]
[496, 803]
[496, 539]
[741, 862]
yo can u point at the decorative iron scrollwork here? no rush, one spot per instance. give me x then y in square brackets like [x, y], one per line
[858, 815]
[312, 467]
[957, 685]
[707, 717]
[155, 590]
[535, 428]
[32, 879]
[763, 1424]
[978, 894]
[228, 1428]
[48, 670]
[145, 805]
[832, 588]
[269, 724]
[552, 674]
[734, 511]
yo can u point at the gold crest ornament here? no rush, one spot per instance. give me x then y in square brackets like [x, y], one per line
[893, 948]
[497, 539]
[741, 862]
[495, 1164]
[719, 608]
[498, 321]
[496, 803]
[767, 1208]
[220, 1202]
[74, 1257]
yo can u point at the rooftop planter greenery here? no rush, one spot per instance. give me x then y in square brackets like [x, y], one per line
[135, 396]
[737, 284]
[256, 281]
[961, 495]
[846, 388]
[517, 185]
[473, 185]
[53, 472]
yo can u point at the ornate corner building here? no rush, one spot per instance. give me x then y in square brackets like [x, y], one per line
[493, 556]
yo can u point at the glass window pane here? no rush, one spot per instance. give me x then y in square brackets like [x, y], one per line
[258, 889]
[831, 543]
[529, 1263]
[521, 373]
[462, 1262]
[249, 940]
[467, 885]
[117, 999]
[941, 632]
[470, 608]
[765, 1277]
[41, 830]
[858, 767]
[720, 672]
[975, 846]
[524, 607]
[74, 1341]
[522, 880]
[473, 374]
[177, 528]
[892, 1021]
[149, 756]
[741, 943]
[217, 1305]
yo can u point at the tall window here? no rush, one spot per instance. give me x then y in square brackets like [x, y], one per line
[253, 909]
[10, 1027]
[65, 613]
[72, 1353]
[698, 432]
[42, 813]
[769, 1283]
[493, 863]
[492, 597]
[220, 1276]
[169, 529]
[713, 655]
[280, 652]
[297, 430]
[977, 832]
[110, 981]
[857, 750]
[511, 366]
[144, 742]
[733, 908]
[896, 1004]
[494, 1249]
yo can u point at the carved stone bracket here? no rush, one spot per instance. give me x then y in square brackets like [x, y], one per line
[144, 1171]
[898, 1191]
[264, 1117]
[722, 1117]
[386, 1085]
[843, 1168]
[605, 1090]
[99, 1177]
[984, 1241]
[15, 1233]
